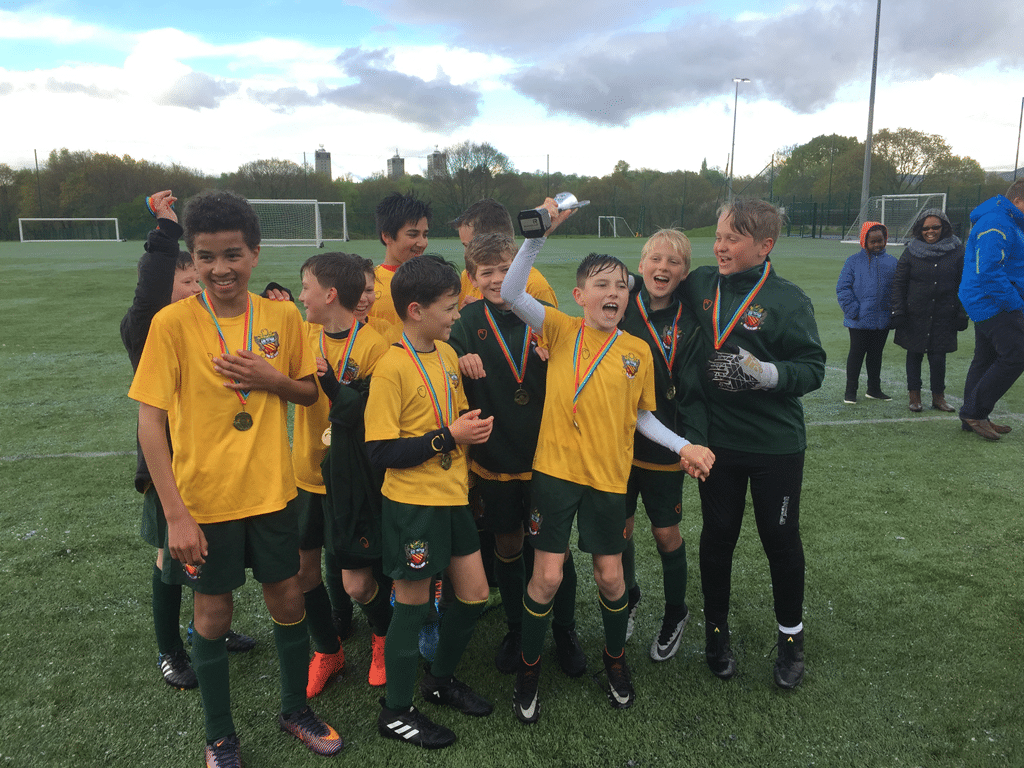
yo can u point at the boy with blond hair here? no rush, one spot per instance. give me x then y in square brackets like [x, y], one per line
[655, 315]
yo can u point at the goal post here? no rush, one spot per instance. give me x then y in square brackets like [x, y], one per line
[301, 222]
[608, 226]
[57, 230]
[897, 212]
[333, 221]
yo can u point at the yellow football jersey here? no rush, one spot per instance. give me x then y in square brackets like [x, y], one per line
[600, 451]
[400, 405]
[223, 473]
[308, 448]
[383, 316]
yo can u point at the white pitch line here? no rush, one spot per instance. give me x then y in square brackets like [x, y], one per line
[89, 455]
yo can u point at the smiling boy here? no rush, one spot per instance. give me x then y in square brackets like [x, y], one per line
[600, 389]
[403, 223]
[668, 326]
[417, 426]
[220, 368]
[767, 356]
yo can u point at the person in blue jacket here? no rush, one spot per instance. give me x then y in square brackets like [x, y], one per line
[864, 290]
[991, 291]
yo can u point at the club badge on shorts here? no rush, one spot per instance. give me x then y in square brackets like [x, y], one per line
[417, 554]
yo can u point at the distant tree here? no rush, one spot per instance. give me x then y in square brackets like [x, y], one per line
[908, 156]
[272, 179]
[471, 172]
[806, 168]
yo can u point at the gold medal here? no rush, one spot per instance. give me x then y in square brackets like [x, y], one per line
[671, 393]
[325, 438]
[242, 422]
[446, 461]
[522, 397]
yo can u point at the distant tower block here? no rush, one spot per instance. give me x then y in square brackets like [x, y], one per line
[322, 162]
[396, 166]
[436, 164]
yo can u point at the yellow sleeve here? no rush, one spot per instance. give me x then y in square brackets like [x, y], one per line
[384, 405]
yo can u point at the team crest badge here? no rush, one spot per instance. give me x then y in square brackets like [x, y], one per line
[269, 343]
[630, 365]
[534, 522]
[453, 379]
[416, 554]
[351, 372]
[753, 317]
[707, 304]
[481, 333]
[666, 336]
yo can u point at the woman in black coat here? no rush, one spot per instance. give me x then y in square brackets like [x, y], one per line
[926, 312]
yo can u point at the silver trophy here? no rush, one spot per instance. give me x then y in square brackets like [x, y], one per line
[567, 201]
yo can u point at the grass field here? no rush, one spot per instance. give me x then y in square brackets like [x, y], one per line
[912, 530]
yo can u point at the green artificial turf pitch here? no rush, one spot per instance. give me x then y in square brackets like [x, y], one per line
[911, 528]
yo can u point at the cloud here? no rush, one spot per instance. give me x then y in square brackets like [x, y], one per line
[513, 29]
[800, 58]
[64, 87]
[434, 105]
[284, 100]
[196, 91]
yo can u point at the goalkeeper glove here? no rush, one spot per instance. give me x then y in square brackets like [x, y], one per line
[733, 369]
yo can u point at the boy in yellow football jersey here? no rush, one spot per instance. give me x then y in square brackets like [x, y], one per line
[403, 223]
[346, 352]
[600, 388]
[414, 431]
[219, 369]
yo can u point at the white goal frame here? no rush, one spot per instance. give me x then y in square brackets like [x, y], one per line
[308, 232]
[897, 212]
[116, 238]
[613, 221]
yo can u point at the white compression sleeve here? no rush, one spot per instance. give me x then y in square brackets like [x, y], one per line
[513, 287]
[647, 424]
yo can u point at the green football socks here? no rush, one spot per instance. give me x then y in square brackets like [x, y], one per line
[292, 644]
[210, 662]
[318, 620]
[401, 653]
[166, 614]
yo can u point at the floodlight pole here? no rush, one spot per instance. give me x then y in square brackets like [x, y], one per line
[735, 104]
[865, 186]
[1016, 158]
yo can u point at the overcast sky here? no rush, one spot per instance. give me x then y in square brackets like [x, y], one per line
[215, 85]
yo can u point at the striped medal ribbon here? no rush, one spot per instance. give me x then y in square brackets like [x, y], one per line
[242, 421]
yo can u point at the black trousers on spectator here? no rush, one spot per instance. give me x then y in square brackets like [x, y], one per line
[998, 362]
[869, 343]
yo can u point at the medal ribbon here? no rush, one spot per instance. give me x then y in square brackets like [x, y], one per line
[518, 372]
[243, 395]
[438, 415]
[349, 343]
[577, 355]
[721, 336]
[669, 354]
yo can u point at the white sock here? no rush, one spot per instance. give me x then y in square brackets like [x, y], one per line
[792, 630]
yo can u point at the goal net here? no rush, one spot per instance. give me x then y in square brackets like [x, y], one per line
[68, 230]
[289, 222]
[897, 212]
[301, 222]
[613, 226]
